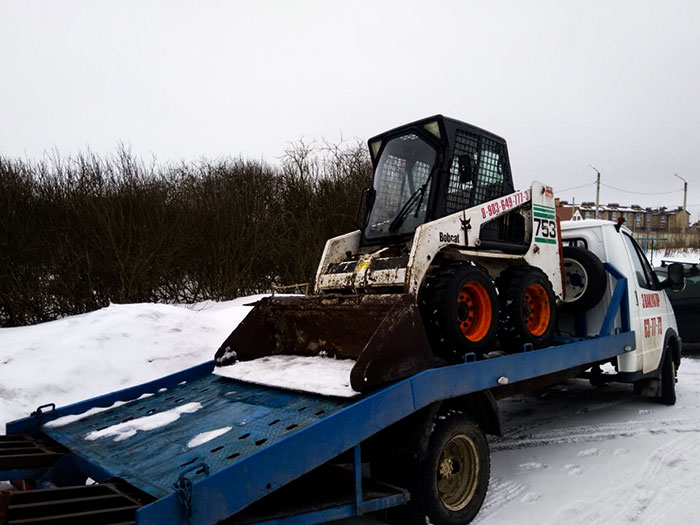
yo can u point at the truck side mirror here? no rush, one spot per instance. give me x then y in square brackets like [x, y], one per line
[465, 168]
[675, 281]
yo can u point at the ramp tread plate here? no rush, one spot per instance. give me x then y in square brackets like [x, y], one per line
[258, 416]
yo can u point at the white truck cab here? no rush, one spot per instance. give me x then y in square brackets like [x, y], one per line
[651, 314]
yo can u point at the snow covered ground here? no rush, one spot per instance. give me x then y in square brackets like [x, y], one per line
[119, 346]
[570, 454]
[675, 255]
[579, 455]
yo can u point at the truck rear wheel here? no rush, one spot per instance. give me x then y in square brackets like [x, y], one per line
[668, 379]
[455, 471]
[528, 308]
[441, 456]
[584, 279]
[459, 306]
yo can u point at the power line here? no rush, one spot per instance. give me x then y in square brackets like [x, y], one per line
[639, 192]
[576, 187]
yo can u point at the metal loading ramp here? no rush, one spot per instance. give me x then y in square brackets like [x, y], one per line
[258, 417]
[215, 483]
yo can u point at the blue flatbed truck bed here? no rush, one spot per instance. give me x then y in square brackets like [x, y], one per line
[277, 437]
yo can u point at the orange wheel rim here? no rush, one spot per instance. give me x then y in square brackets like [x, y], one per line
[474, 311]
[536, 309]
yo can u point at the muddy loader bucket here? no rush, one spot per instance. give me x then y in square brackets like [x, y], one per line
[383, 334]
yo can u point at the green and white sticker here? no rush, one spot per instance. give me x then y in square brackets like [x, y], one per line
[545, 224]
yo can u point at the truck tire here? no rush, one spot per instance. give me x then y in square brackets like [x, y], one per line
[668, 379]
[584, 279]
[459, 306]
[455, 471]
[528, 308]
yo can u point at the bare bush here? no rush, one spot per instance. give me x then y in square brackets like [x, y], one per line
[78, 233]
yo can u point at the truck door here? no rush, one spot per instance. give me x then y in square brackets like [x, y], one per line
[651, 303]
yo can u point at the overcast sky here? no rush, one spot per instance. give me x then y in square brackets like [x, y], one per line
[567, 84]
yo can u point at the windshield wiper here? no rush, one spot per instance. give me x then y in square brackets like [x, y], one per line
[416, 196]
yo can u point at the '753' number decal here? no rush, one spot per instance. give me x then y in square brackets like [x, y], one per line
[546, 228]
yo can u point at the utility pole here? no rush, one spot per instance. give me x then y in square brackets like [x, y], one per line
[685, 198]
[597, 193]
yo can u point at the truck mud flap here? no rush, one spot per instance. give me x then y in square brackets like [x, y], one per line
[383, 333]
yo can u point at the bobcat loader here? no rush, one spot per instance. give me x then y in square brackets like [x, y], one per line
[449, 257]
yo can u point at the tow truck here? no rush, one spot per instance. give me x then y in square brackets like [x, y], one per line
[409, 441]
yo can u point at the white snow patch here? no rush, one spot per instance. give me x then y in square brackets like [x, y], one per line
[125, 430]
[319, 375]
[204, 437]
[588, 452]
[530, 497]
[67, 420]
[572, 470]
[533, 465]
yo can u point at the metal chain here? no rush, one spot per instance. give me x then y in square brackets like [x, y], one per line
[183, 491]
[183, 488]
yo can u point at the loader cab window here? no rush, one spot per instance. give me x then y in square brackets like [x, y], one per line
[402, 181]
[491, 175]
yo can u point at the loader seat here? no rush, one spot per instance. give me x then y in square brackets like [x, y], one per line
[505, 234]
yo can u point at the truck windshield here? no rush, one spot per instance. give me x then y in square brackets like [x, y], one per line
[402, 186]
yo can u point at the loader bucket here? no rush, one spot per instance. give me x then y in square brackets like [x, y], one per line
[384, 334]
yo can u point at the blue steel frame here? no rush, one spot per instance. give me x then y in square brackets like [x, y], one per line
[619, 297]
[228, 491]
[619, 302]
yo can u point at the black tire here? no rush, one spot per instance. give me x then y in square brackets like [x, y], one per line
[668, 379]
[455, 471]
[408, 455]
[528, 308]
[585, 281]
[459, 306]
[638, 387]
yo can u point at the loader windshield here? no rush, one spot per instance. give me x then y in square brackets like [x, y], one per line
[402, 186]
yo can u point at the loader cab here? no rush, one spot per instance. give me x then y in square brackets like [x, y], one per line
[428, 169]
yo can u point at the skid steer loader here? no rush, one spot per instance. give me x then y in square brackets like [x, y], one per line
[448, 258]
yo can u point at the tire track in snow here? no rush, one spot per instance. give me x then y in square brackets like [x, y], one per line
[499, 493]
[677, 467]
[668, 477]
[522, 428]
[592, 433]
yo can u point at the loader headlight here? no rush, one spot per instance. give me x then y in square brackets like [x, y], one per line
[375, 147]
[434, 128]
